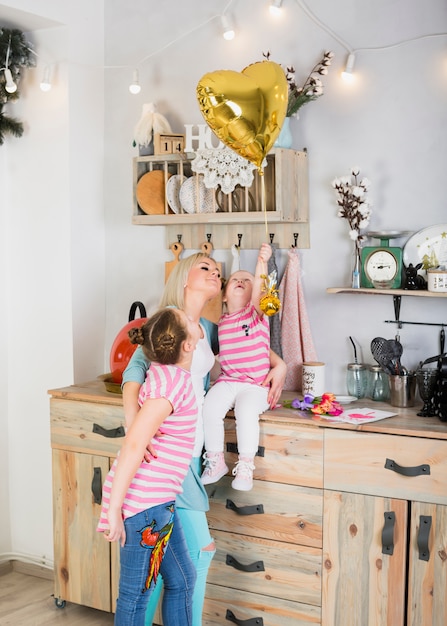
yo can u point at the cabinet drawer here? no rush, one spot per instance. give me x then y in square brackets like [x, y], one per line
[269, 511]
[73, 426]
[270, 568]
[356, 462]
[224, 606]
[291, 454]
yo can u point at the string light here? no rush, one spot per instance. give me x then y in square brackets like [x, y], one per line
[275, 7]
[227, 27]
[347, 72]
[135, 86]
[10, 86]
[45, 85]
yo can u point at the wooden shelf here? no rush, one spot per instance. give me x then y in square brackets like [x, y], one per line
[387, 292]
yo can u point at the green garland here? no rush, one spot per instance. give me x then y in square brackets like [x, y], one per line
[20, 56]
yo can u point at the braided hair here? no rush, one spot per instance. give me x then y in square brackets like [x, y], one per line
[161, 337]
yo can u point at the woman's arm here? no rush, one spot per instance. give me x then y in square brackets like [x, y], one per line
[150, 417]
[275, 379]
[133, 377]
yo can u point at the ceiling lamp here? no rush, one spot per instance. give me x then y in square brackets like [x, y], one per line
[347, 72]
[135, 87]
[275, 7]
[227, 28]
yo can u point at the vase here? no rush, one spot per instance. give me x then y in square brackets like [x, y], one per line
[356, 265]
[284, 139]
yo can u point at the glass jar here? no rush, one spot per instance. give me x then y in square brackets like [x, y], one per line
[357, 379]
[378, 384]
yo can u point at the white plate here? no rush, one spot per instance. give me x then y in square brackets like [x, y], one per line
[426, 243]
[173, 191]
[195, 197]
[345, 399]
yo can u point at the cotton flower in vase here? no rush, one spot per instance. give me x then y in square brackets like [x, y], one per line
[355, 207]
[150, 123]
[298, 96]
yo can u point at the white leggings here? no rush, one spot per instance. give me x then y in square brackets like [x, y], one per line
[248, 401]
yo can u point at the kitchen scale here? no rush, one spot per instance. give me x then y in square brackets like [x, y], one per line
[382, 264]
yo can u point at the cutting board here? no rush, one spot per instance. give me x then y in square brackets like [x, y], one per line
[176, 249]
[213, 308]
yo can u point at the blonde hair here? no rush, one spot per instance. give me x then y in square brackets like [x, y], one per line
[174, 291]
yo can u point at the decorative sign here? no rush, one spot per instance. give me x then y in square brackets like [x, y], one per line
[204, 138]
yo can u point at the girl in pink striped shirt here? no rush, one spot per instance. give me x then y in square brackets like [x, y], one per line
[244, 355]
[138, 504]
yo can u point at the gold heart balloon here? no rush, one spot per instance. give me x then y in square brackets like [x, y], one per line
[245, 109]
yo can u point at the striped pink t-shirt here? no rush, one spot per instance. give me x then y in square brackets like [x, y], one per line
[160, 480]
[244, 346]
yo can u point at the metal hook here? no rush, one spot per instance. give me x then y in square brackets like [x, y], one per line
[208, 237]
[272, 236]
[239, 237]
[295, 238]
[179, 238]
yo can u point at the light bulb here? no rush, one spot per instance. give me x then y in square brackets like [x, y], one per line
[228, 30]
[45, 85]
[135, 87]
[10, 86]
[275, 7]
[347, 72]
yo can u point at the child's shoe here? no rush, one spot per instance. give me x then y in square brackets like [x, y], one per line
[215, 467]
[243, 472]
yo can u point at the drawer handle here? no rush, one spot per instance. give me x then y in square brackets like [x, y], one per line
[232, 447]
[388, 533]
[257, 566]
[423, 536]
[254, 621]
[417, 470]
[112, 433]
[97, 485]
[255, 509]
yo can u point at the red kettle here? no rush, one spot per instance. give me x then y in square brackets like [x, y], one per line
[122, 350]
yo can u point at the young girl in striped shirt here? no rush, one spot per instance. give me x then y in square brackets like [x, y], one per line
[138, 505]
[244, 355]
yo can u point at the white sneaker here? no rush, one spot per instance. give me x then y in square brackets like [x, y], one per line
[215, 467]
[243, 472]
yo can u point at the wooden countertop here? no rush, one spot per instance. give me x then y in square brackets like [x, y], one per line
[405, 422]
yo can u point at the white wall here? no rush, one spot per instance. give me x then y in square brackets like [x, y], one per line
[52, 214]
[70, 272]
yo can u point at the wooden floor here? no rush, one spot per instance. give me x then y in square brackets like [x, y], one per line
[28, 601]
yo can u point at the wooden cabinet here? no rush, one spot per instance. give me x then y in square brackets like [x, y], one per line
[385, 530]
[267, 568]
[345, 525]
[277, 201]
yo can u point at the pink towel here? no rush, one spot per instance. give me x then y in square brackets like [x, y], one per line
[296, 336]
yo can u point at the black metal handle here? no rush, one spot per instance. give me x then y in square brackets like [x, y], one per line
[388, 533]
[97, 485]
[257, 566]
[232, 447]
[418, 470]
[112, 433]
[254, 621]
[133, 309]
[255, 509]
[423, 536]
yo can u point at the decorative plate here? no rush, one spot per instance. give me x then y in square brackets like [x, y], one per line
[195, 197]
[173, 190]
[345, 399]
[428, 246]
[151, 192]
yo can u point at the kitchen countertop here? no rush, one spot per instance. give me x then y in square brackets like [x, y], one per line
[405, 422]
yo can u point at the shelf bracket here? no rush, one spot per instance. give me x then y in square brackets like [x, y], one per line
[397, 302]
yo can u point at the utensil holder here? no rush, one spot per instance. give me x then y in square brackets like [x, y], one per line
[402, 390]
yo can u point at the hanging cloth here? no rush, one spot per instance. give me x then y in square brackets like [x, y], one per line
[296, 336]
[275, 321]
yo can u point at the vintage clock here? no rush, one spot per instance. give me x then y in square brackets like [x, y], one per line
[382, 265]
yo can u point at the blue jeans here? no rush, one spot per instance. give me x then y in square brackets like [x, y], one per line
[148, 537]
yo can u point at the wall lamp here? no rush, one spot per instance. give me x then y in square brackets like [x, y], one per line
[347, 72]
[45, 84]
[227, 28]
[275, 7]
[135, 86]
